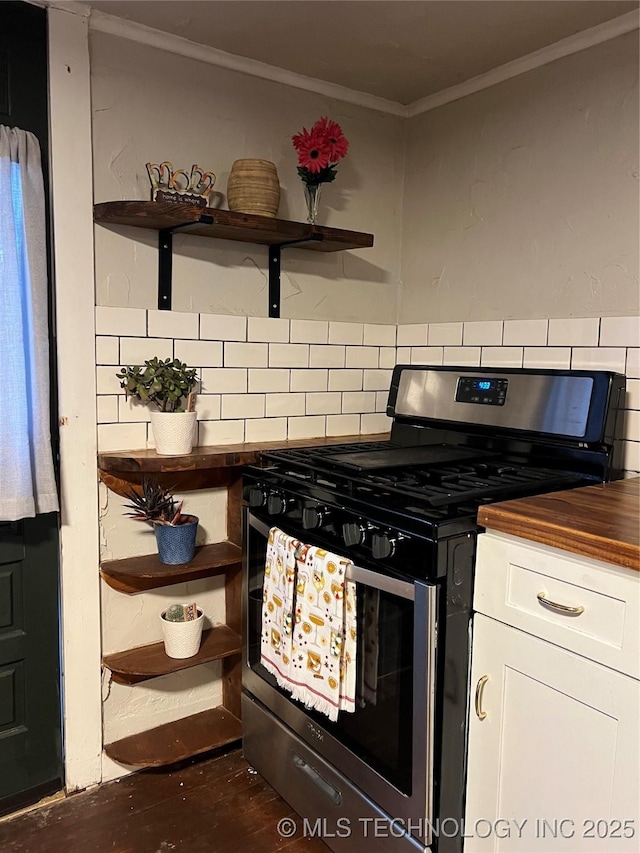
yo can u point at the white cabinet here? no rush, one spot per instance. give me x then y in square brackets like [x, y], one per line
[554, 743]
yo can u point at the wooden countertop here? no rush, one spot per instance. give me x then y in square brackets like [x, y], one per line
[601, 522]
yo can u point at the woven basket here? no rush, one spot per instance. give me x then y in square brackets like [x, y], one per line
[253, 187]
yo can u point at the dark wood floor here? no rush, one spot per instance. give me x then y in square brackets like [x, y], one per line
[214, 806]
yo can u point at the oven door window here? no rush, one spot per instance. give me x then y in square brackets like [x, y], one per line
[380, 731]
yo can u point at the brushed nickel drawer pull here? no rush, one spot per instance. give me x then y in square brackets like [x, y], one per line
[561, 608]
[480, 714]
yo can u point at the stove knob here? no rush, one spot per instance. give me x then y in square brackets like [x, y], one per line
[256, 496]
[383, 545]
[314, 517]
[354, 533]
[277, 504]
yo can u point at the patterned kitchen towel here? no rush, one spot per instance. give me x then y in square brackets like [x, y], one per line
[323, 655]
[277, 605]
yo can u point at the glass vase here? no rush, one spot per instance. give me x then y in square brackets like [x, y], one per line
[312, 197]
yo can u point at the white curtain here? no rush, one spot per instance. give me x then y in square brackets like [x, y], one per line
[27, 482]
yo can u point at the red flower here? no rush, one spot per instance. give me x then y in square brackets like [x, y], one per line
[313, 152]
[335, 140]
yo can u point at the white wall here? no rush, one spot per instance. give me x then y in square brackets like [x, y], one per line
[521, 201]
[150, 106]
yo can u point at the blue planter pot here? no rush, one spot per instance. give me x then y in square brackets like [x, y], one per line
[177, 544]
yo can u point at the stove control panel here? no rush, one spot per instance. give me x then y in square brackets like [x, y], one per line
[484, 390]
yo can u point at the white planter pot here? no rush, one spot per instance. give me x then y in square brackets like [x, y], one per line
[182, 639]
[173, 432]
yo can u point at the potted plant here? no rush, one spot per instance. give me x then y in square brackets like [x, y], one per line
[175, 532]
[182, 630]
[169, 386]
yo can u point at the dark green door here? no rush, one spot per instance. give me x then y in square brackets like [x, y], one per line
[30, 733]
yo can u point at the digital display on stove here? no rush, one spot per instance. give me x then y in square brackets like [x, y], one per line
[482, 390]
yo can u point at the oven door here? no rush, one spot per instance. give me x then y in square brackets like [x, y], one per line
[384, 748]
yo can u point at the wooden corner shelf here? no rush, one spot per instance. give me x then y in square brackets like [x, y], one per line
[150, 661]
[176, 741]
[136, 574]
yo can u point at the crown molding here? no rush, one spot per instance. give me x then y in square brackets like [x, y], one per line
[101, 22]
[565, 47]
[72, 6]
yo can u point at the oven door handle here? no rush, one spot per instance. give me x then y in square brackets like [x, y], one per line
[376, 580]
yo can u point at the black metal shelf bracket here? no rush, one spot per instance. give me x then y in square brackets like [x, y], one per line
[274, 270]
[165, 260]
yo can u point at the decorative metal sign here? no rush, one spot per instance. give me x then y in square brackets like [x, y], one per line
[178, 186]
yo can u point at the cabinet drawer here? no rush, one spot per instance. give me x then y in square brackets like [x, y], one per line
[580, 604]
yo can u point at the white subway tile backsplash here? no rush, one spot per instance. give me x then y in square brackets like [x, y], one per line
[633, 363]
[501, 357]
[556, 358]
[464, 356]
[107, 350]
[620, 332]
[329, 403]
[199, 353]
[236, 406]
[574, 332]
[121, 321]
[427, 355]
[132, 411]
[288, 355]
[379, 335]
[224, 380]
[387, 357]
[413, 335]
[598, 358]
[343, 424]
[107, 409]
[525, 333]
[172, 324]
[357, 402]
[362, 357]
[326, 356]
[631, 425]
[375, 423]
[266, 429]
[208, 407]
[403, 355]
[246, 355]
[377, 380]
[631, 456]
[633, 394]
[345, 380]
[223, 327]
[381, 401]
[268, 379]
[269, 329]
[122, 436]
[445, 334]
[309, 331]
[300, 428]
[106, 381]
[482, 333]
[345, 333]
[281, 405]
[309, 380]
[138, 350]
[220, 432]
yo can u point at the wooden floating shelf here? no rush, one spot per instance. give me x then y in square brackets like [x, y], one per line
[176, 741]
[150, 661]
[136, 574]
[227, 225]
[123, 462]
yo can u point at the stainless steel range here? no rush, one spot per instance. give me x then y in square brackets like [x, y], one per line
[390, 776]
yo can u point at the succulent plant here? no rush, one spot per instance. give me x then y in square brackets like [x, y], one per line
[175, 613]
[166, 383]
[155, 504]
